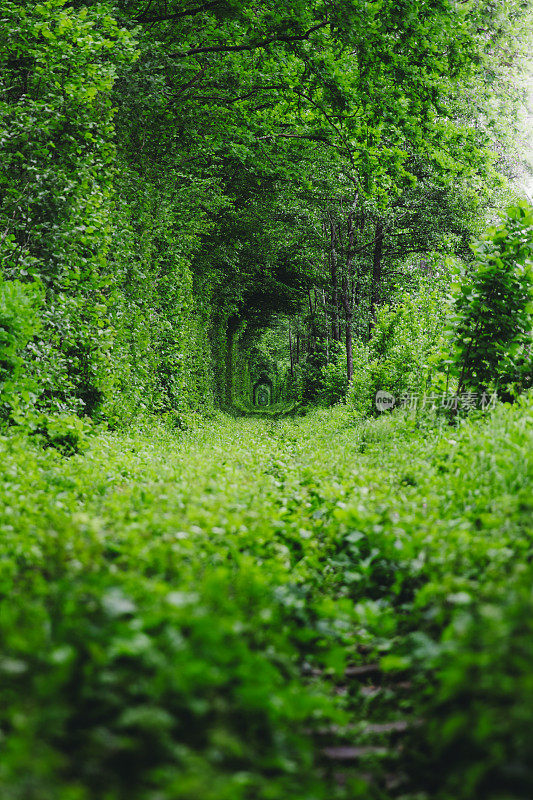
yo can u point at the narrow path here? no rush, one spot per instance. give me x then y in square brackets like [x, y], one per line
[271, 487]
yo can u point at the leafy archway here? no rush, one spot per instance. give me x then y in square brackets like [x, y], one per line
[262, 391]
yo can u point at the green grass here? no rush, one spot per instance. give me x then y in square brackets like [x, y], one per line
[179, 608]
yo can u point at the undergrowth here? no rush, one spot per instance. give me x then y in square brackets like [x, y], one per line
[179, 607]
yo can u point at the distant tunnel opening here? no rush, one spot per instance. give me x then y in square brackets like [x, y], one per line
[262, 392]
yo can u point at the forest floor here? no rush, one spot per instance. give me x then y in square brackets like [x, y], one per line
[258, 608]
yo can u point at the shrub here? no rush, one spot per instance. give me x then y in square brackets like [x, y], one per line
[65, 432]
[19, 322]
[493, 308]
[478, 735]
[334, 382]
[405, 352]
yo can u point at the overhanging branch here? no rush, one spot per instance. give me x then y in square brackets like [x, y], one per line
[241, 48]
[188, 12]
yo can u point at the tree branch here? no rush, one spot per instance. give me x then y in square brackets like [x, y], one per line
[313, 137]
[240, 48]
[337, 130]
[190, 83]
[235, 99]
[189, 12]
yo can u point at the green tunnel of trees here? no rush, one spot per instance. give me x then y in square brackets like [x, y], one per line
[227, 229]
[194, 195]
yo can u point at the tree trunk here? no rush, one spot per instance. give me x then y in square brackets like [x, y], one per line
[290, 350]
[335, 327]
[376, 276]
[326, 321]
[347, 296]
[348, 316]
[311, 329]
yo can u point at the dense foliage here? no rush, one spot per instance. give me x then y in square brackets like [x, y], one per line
[174, 179]
[216, 218]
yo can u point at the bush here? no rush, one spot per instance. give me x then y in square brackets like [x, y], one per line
[404, 354]
[65, 432]
[323, 374]
[478, 735]
[334, 379]
[493, 309]
[19, 322]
